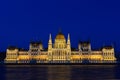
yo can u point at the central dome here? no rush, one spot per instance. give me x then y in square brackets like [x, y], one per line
[60, 36]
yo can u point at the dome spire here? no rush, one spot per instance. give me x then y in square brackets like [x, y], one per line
[60, 35]
[60, 31]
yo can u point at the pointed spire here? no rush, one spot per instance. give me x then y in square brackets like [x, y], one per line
[68, 41]
[50, 39]
[60, 31]
[68, 36]
[50, 36]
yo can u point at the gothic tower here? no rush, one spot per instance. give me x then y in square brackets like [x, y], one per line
[68, 48]
[50, 48]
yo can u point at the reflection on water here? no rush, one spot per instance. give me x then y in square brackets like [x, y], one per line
[59, 72]
[93, 72]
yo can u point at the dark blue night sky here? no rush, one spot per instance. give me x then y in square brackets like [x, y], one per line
[22, 21]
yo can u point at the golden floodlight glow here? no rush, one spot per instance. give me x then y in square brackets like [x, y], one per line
[60, 52]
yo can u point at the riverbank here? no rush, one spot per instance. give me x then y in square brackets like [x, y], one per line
[60, 63]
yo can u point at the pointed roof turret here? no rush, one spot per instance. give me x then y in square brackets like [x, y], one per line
[50, 39]
[68, 41]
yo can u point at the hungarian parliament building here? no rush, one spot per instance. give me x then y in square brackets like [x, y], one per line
[60, 52]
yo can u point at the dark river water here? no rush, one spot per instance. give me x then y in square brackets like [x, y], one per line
[59, 72]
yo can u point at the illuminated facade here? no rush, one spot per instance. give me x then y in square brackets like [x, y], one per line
[60, 52]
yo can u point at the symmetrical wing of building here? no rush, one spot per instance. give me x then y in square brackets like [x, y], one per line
[60, 52]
